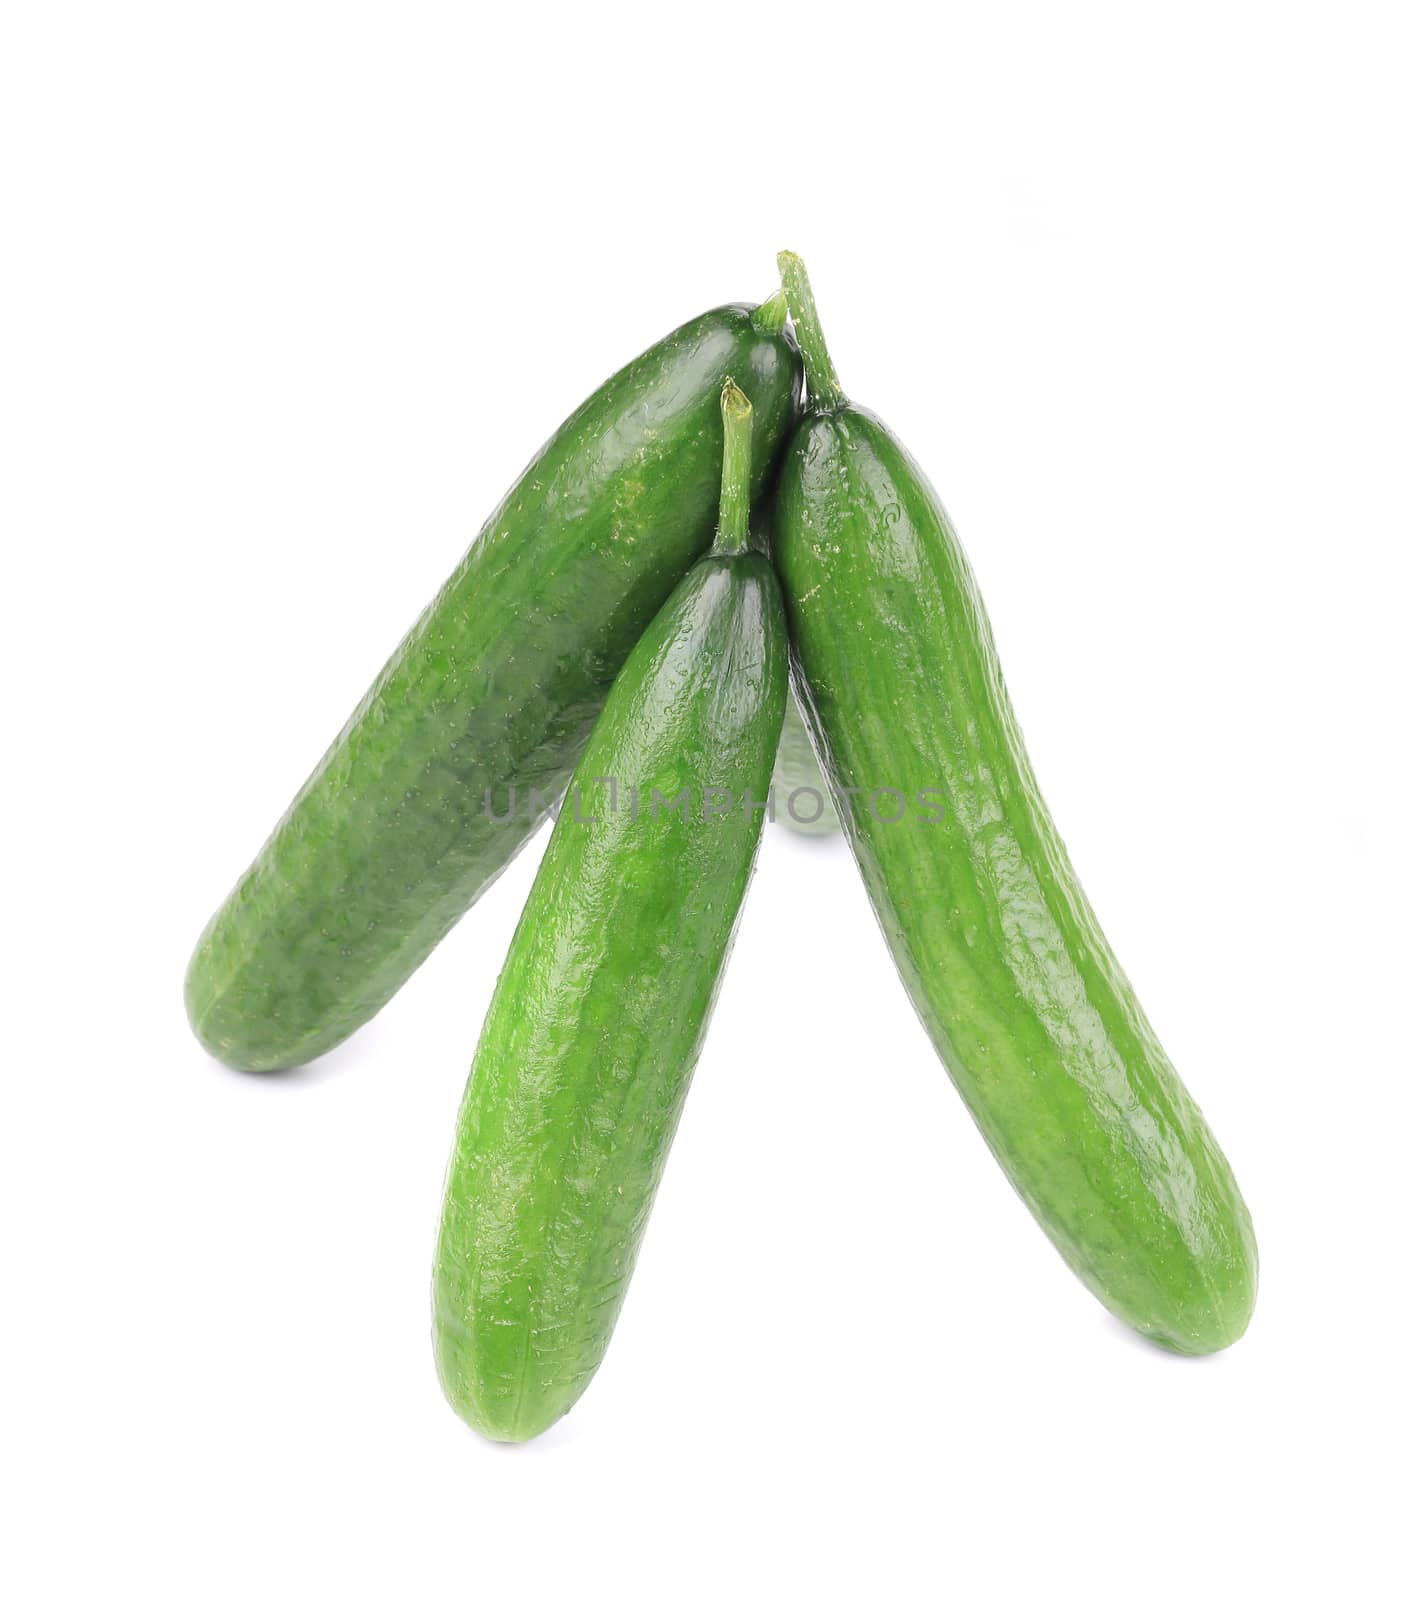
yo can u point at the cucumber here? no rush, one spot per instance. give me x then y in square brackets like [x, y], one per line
[602, 1005]
[893, 659]
[802, 799]
[468, 735]
[802, 802]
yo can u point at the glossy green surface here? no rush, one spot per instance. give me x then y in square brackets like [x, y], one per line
[602, 1006]
[407, 819]
[993, 936]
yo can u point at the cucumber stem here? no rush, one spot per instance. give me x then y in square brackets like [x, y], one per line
[770, 317]
[821, 382]
[732, 536]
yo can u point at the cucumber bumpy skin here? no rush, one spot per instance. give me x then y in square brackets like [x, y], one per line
[492, 693]
[893, 660]
[602, 1005]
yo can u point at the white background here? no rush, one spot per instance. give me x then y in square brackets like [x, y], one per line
[290, 293]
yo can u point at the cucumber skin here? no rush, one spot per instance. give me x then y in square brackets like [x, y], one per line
[601, 1008]
[1011, 975]
[498, 683]
[797, 767]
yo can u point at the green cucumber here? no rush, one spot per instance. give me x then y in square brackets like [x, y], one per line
[468, 735]
[602, 1005]
[1037, 1025]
